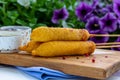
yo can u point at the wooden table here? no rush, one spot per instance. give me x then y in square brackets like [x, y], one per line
[101, 65]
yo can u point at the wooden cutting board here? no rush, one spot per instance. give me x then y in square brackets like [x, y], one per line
[100, 65]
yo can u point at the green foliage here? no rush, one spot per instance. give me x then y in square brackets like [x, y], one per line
[36, 14]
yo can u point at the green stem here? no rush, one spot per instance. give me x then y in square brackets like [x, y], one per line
[4, 13]
[4, 10]
[33, 9]
[19, 9]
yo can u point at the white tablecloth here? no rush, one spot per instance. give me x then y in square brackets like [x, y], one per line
[10, 73]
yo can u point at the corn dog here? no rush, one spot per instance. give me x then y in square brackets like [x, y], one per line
[44, 34]
[29, 46]
[60, 48]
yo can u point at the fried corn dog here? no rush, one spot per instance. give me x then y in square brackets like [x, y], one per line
[29, 46]
[44, 34]
[60, 48]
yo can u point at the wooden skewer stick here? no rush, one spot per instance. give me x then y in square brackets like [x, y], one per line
[104, 35]
[114, 46]
[109, 43]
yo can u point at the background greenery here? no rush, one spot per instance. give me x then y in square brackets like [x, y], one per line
[37, 13]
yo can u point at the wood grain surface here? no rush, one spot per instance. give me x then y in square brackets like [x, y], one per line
[100, 65]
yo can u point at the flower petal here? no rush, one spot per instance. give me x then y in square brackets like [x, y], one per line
[25, 3]
[109, 22]
[82, 10]
[95, 3]
[116, 6]
[59, 14]
[93, 24]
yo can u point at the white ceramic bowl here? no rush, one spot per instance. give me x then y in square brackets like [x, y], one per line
[9, 44]
[11, 37]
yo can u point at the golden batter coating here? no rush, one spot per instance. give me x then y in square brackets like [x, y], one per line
[44, 34]
[30, 46]
[60, 48]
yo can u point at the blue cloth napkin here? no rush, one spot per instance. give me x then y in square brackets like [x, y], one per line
[43, 73]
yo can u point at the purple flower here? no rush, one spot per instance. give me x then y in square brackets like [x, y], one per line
[93, 24]
[60, 14]
[116, 7]
[110, 8]
[118, 24]
[99, 39]
[95, 3]
[97, 8]
[107, 9]
[108, 22]
[88, 16]
[82, 10]
[118, 48]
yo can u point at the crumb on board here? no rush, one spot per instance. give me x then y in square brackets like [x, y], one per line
[106, 56]
[82, 62]
[77, 57]
[87, 55]
[63, 57]
[93, 60]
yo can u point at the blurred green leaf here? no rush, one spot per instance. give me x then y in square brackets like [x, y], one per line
[21, 22]
[6, 21]
[12, 15]
[42, 9]
[2, 2]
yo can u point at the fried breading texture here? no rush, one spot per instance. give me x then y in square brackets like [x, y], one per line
[44, 34]
[29, 46]
[60, 48]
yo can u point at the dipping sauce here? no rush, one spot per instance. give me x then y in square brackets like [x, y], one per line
[11, 37]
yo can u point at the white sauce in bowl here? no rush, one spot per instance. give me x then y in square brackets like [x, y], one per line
[11, 37]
